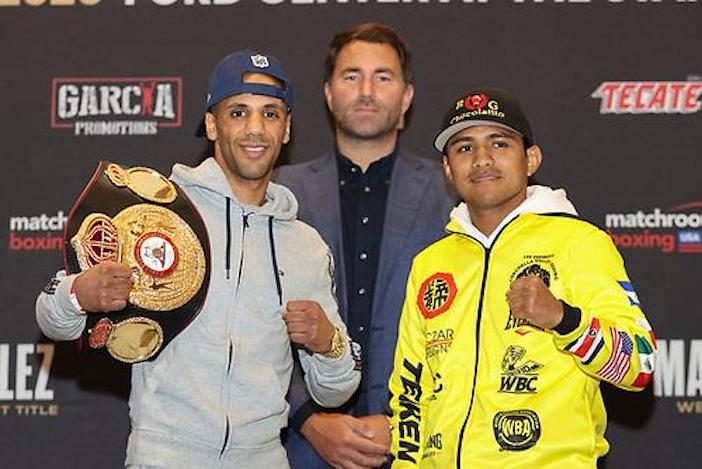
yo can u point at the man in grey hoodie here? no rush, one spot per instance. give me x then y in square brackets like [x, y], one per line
[215, 396]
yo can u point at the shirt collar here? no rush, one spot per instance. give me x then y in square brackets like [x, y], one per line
[380, 168]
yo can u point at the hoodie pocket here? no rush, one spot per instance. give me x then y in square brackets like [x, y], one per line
[160, 370]
[260, 377]
[146, 378]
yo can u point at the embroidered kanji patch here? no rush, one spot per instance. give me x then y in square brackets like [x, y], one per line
[436, 294]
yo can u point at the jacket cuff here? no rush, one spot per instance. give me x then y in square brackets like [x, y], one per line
[570, 321]
[305, 411]
[67, 300]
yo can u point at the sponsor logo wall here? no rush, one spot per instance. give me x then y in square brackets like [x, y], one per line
[677, 229]
[678, 377]
[36, 232]
[116, 106]
[649, 97]
[615, 108]
[30, 395]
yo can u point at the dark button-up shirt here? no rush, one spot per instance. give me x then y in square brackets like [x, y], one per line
[363, 197]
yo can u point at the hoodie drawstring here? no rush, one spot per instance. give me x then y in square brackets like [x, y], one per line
[228, 260]
[271, 240]
[245, 224]
[278, 287]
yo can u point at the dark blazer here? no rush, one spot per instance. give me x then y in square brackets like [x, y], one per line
[417, 210]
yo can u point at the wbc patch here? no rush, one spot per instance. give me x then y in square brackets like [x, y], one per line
[520, 375]
[588, 345]
[436, 294]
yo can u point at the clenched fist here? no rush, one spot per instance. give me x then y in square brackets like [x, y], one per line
[530, 299]
[309, 326]
[104, 287]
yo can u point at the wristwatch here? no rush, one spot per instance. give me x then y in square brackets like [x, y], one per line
[338, 345]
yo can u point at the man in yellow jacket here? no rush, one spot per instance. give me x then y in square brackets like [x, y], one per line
[512, 320]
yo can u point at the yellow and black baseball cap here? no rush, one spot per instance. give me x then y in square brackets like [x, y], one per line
[484, 106]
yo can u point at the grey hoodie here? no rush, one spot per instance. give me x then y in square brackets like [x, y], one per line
[215, 396]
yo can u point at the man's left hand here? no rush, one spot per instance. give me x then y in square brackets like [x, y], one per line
[380, 424]
[309, 326]
[529, 298]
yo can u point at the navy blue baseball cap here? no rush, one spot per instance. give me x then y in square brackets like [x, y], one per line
[227, 79]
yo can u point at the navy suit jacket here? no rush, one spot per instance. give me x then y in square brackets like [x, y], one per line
[418, 206]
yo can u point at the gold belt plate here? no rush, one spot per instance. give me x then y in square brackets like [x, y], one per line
[135, 339]
[167, 260]
[147, 183]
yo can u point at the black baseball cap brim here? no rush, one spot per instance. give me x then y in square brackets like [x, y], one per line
[446, 134]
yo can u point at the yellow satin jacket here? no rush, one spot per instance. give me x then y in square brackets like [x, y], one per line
[473, 387]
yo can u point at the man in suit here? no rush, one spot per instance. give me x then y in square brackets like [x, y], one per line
[376, 206]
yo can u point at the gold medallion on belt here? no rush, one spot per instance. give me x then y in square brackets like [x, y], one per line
[165, 255]
[144, 182]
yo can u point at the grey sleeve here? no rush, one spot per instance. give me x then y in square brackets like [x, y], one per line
[57, 316]
[330, 381]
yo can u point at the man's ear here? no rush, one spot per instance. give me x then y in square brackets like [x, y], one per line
[210, 126]
[407, 97]
[534, 158]
[447, 169]
[288, 124]
[328, 96]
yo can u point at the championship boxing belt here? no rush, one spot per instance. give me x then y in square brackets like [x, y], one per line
[137, 217]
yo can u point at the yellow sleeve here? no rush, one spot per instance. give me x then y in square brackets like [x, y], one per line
[411, 383]
[613, 340]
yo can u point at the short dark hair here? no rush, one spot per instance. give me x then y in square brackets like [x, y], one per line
[369, 32]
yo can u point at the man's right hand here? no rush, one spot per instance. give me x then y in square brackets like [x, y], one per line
[345, 441]
[104, 287]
